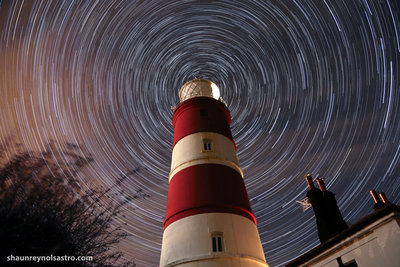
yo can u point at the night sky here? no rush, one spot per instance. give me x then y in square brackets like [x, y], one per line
[312, 86]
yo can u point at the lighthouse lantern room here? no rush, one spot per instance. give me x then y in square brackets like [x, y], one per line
[209, 221]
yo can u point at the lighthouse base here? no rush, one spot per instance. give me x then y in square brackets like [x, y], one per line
[212, 239]
[221, 262]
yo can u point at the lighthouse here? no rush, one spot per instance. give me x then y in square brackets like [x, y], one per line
[209, 221]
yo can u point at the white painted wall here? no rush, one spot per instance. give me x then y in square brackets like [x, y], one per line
[187, 242]
[189, 151]
[374, 246]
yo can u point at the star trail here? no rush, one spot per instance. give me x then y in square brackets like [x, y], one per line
[312, 86]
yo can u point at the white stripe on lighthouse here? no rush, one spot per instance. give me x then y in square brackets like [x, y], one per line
[201, 148]
[189, 241]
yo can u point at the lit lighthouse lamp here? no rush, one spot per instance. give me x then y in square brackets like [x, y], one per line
[209, 221]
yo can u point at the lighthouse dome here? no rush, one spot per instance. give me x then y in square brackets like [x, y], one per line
[197, 88]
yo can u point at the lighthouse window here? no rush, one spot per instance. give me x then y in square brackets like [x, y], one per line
[217, 242]
[207, 145]
[351, 263]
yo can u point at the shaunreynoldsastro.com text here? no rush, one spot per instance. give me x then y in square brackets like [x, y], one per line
[49, 258]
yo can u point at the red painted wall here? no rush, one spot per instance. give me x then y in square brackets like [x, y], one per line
[207, 188]
[187, 119]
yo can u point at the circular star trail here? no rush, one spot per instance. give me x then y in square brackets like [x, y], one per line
[312, 86]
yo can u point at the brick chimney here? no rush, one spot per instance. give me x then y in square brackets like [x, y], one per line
[327, 214]
[380, 201]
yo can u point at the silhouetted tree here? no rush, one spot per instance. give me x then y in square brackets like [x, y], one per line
[44, 211]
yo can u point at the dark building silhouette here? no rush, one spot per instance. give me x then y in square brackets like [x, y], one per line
[373, 241]
[327, 214]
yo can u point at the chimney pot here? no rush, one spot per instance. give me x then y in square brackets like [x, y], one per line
[321, 184]
[310, 181]
[384, 198]
[375, 196]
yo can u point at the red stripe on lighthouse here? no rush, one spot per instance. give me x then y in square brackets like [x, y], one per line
[207, 188]
[201, 114]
